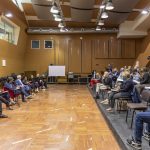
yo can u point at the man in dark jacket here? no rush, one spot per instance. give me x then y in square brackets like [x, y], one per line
[125, 91]
[145, 81]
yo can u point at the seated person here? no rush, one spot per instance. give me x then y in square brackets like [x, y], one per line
[114, 76]
[136, 140]
[125, 91]
[2, 115]
[109, 68]
[145, 76]
[39, 81]
[106, 80]
[136, 76]
[44, 79]
[34, 84]
[120, 77]
[26, 84]
[12, 89]
[145, 81]
[24, 89]
[95, 80]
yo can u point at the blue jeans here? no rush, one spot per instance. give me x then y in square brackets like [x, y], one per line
[6, 96]
[141, 118]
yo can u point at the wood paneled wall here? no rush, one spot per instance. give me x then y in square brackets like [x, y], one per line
[81, 53]
[144, 51]
[14, 54]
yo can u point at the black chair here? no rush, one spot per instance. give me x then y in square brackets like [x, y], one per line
[135, 107]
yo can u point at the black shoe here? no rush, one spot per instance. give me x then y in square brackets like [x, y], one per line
[3, 116]
[134, 144]
[146, 136]
[97, 97]
[24, 101]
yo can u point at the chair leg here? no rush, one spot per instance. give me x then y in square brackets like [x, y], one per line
[17, 101]
[120, 106]
[132, 118]
[127, 116]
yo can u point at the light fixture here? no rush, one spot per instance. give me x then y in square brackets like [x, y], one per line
[109, 5]
[144, 12]
[54, 9]
[58, 18]
[55, 15]
[62, 29]
[102, 6]
[61, 25]
[9, 15]
[101, 22]
[104, 15]
[98, 28]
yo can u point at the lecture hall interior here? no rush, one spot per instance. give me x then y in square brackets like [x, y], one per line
[74, 74]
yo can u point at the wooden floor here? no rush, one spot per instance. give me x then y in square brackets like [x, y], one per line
[65, 117]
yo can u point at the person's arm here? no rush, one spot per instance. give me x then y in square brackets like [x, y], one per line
[8, 86]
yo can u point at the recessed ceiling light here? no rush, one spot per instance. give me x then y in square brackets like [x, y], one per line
[58, 18]
[101, 22]
[109, 5]
[62, 29]
[104, 15]
[102, 6]
[54, 9]
[61, 25]
[9, 15]
[144, 12]
[98, 28]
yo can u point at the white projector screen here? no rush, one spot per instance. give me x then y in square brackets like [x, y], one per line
[56, 71]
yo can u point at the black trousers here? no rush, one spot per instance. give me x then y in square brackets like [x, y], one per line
[114, 95]
[4, 101]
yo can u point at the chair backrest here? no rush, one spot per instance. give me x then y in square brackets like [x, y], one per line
[70, 75]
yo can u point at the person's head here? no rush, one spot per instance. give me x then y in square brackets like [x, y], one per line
[126, 75]
[121, 69]
[115, 70]
[134, 71]
[25, 78]
[37, 75]
[32, 76]
[106, 74]
[97, 74]
[19, 77]
[10, 79]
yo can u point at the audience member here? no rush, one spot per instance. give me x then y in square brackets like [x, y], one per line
[125, 90]
[140, 119]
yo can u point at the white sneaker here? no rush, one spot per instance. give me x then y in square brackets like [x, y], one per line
[104, 101]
